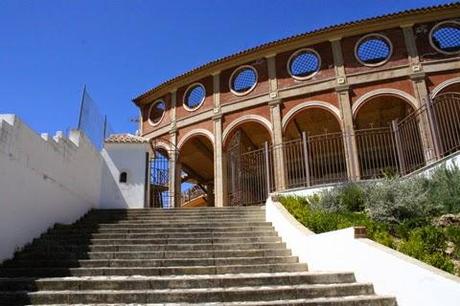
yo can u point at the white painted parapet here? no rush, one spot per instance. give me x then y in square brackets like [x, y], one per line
[413, 282]
[43, 180]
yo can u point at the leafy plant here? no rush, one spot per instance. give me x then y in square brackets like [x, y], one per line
[394, 200]
[444, 188]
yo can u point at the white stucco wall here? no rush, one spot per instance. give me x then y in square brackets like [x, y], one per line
[392, 273]
[123, 157]
[43, 180]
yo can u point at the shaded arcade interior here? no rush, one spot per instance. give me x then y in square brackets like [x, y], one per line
[195, 168]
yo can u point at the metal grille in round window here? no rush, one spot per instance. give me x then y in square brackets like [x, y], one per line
[243, 80]
[373, 50]
[304, 64]
[194, 96]
[445, 37]
[157, 111]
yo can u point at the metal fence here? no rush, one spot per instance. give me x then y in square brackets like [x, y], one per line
[92, 122]
[250, 175]
[445, 119]
[394, 150]
[315, 160]
[376, 150]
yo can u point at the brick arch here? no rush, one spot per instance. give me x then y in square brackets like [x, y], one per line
[311, 104]
[193, 133]
[383, 92]
[162, 145]
[243, 119]
[438, 89]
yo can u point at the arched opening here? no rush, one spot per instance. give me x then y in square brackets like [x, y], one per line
[196, 168]
[249, 163]
[159, 179]
[313, 148]
[387, 137]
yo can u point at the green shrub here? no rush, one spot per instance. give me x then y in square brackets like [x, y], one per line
[440, 261]
[345, 198]
[453, 235]
[404, 229]
[444, 189]
[384, 238]
[352, 197]
[428, 244]
[394, 200]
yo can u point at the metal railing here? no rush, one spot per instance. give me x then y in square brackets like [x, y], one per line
[314, 160]
[251, 175]
[398, 149]
[376, 150]
[192, 193]
[445, 119]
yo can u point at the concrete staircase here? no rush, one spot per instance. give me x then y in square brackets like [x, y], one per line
[225, 256]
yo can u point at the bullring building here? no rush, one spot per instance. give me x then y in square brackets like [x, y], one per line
[344, 103]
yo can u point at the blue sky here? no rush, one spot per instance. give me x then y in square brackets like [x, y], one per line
[49, 49]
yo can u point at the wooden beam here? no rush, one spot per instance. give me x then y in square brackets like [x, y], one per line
[192, 173]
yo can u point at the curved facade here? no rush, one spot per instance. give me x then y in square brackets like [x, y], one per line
[347, 102]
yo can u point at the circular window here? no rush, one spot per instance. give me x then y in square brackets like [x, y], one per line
[156, 112]
[194, 96]
[445, 37]
[304, 64]
[243, 80]
[373, 50]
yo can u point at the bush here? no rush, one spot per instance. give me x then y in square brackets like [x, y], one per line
[352, 197]
[444, 189]
[394, 200]
[346, 198]
[453, 235]
[428, 244]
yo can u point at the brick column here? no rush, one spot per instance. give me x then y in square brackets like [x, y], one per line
[275, 114]
[219, 173]
[343, 96]
[417, 77]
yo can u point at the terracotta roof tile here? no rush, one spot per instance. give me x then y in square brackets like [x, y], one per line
[125, 138]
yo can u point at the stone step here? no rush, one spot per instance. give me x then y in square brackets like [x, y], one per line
[158, 241]
[199, 210]
[150, 271]
[149, 247]
[154, 230]
[179, 222]
[157, 254]
[176, 214]
[360, 300]
[184, 225]
[175, 217]
[174, 282]
[204, 295]
[57, 236]
[115, 263]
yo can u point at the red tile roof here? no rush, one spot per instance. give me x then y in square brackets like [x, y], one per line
[125, 138]
[294, 37]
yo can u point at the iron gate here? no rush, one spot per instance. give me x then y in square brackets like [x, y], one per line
[159, 180]
[250, 175]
